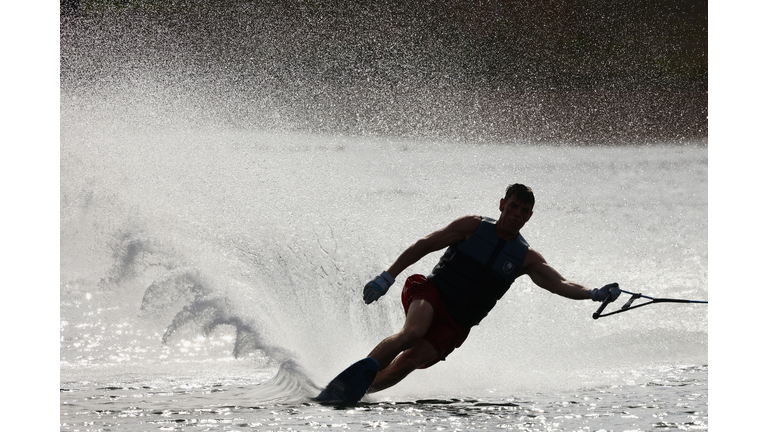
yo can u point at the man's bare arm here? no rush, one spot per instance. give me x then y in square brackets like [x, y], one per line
[545, 276]
[458, 230]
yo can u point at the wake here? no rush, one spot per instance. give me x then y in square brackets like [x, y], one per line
[289, 386]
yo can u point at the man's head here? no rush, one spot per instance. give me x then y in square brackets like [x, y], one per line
[523, 193]
[516, 208]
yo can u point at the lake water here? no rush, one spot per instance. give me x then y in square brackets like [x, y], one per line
[231, 178]
[211, 280]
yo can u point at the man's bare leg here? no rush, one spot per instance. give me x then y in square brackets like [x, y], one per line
[422, 353]
[417, 322]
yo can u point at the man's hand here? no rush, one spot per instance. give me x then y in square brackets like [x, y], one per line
[611, 291]
[377, 287]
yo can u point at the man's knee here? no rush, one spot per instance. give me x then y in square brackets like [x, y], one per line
[411, 363]
[421, 354]
[409, 338]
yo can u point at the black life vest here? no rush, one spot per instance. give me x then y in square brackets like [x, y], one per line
[474, 274]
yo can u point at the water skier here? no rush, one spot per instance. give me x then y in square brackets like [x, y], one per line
[483, 258]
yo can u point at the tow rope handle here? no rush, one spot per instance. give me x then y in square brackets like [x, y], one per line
[596, 315]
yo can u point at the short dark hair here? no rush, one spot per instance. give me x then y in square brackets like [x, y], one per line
[522, 192]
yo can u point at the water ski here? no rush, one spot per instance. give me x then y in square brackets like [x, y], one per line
[350, 386]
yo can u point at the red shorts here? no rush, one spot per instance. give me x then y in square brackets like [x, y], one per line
[444, 334]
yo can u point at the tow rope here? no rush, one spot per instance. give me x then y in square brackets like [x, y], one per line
[634, 296]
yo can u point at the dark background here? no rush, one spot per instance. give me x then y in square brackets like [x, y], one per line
[573, 72]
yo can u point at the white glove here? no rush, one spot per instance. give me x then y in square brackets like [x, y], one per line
[377, 287]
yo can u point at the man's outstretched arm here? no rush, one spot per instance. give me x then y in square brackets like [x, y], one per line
[545, 276]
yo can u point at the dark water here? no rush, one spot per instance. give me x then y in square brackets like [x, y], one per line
[575, 73]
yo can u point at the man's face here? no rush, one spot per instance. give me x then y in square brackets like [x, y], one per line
[514, 214]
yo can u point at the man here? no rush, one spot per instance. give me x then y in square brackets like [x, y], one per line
[483, 258]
